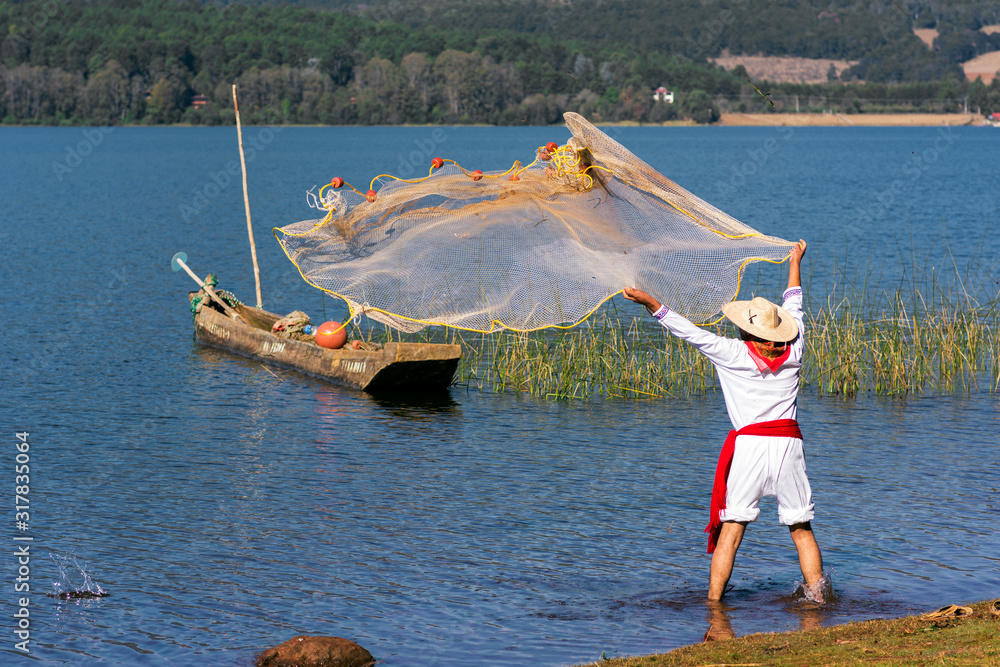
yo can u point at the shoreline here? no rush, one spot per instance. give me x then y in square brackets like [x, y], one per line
[726, 120]
[973, 640]
[849, 120]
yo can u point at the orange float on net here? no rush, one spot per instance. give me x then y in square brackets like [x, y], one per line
[544, 155]
[331, 335]
[337, 182]
[477, 175]
[437, 163]
[551, 147]
[514, 177]
[371, 195]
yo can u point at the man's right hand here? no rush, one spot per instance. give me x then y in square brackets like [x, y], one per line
[795, 254]
[794, 259]
[637, 295]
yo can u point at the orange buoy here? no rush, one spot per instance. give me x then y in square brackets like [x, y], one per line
[513, 177]
[543, 155]
[356, 344]
[477, 175]
[331, 335]
[370, 195]
[551, 147]
[337, 181]
[437, 163]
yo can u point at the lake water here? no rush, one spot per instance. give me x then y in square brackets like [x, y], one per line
[226, 508]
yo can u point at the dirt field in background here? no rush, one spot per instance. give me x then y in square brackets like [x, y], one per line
[860, 120]
[807, 70]
[984, 66]
[926, 35]
[784, 70]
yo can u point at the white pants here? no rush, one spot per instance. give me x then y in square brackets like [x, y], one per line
[767, 466]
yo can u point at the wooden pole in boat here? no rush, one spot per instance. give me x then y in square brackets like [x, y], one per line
[178, 262]
[246, 198]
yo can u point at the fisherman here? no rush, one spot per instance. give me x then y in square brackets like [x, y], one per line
[763, 455]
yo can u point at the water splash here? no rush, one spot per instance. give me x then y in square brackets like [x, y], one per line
[74, 580]
[819, 593]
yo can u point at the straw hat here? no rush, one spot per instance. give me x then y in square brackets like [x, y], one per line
[762, 319]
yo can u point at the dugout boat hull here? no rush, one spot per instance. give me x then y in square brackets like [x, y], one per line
[395, 367]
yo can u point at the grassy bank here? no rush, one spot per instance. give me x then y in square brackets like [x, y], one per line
[904, 641]
[896, 346]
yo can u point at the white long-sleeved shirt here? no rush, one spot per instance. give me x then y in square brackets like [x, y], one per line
[752, 395]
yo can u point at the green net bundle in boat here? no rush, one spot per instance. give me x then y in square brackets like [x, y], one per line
[536, 246]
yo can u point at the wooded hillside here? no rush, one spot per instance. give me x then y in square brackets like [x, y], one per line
[465, 61]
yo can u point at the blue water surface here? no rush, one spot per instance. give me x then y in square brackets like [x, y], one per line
[226, 507]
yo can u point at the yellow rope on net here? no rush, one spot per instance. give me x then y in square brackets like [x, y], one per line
[474, 254]
[739, 279]
[564, 161]
[514, 172]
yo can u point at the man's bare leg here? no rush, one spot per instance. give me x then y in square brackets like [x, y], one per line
[725, 555]
[810, 559]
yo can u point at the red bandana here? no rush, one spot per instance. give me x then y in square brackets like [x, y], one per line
[763, 362]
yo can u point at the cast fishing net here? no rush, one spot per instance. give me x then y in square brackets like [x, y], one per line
[536, 246]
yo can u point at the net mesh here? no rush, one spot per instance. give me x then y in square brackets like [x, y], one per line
[536, 246]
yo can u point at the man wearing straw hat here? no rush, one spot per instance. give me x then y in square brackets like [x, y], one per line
[763, 455]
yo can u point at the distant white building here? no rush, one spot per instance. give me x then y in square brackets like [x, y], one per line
[663, 95]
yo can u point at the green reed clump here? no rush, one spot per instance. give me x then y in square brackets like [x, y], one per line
[938, 331]
[893, 344]
[609, 356]
[892, 348]
[904, 347]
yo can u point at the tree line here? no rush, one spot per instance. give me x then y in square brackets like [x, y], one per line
[878, 34]
[141, 61]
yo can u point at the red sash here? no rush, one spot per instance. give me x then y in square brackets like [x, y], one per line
[779, 428]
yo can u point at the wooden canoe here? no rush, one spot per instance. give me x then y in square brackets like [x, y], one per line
[397, 366]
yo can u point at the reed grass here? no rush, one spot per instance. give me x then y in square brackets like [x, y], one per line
[846, 354]
[614, 356]
[901, 350]
[893, 347]
[890, 343]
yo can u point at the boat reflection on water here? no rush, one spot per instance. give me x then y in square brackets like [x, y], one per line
[417, 406]
[404, 417]
[411, 405]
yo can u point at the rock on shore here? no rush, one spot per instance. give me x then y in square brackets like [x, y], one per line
[306, 651]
